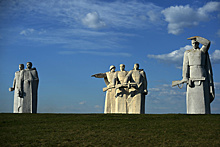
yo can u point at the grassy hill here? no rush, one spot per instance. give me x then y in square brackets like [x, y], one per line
[109, 130]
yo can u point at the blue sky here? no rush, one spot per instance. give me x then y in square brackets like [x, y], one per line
[69, 40]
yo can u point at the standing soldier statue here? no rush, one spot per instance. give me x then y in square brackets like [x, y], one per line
[17, 97]
[197, 73]
[110, 90]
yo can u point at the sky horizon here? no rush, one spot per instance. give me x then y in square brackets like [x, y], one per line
[69, 40]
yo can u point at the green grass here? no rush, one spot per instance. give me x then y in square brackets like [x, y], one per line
[109, 130]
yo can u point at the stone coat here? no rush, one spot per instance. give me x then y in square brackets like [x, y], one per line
[136, 97]
[121, 93]
[17, 99]
[197, 69]
[29, 87]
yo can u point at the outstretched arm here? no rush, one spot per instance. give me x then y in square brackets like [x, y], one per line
[99, 75]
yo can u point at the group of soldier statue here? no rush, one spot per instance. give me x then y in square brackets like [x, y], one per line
[25, 87]
[125, 91]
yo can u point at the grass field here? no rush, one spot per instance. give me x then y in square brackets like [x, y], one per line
[109, 130]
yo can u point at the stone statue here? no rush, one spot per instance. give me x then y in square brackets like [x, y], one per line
[121, 90]
[110, 90]
[137, 85]
[17, 99]
[28, 89]
[197, 73]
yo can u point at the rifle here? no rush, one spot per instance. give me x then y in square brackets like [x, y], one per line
[107, 88]
[178, 82]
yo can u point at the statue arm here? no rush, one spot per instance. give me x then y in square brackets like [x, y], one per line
[35, 75]
[14, 82]
[100, 75]
[144, 82]
[185, 72]
[205, 42]
[127, 77]
[114, 79]
[13, 86]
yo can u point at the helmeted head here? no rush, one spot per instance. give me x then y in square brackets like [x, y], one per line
[136, 66]
[112, 68]
[29, 65]
[21, 66]
[195, 44]
[122, 67]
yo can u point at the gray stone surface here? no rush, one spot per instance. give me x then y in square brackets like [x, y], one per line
[28, 87]
[137, 85]
[197, 73]
[15, 87]
[25, 86]
[125, 91]
[121, 92]
[110, 90]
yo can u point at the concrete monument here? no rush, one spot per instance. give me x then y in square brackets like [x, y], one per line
[121, 92]
[28, 89]
[15, 87]
[197, 73]
[137, 85]
[110, 90]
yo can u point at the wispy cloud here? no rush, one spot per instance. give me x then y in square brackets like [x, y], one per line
[93, 14]
[82, 103]
[215, 57]
[96, 53]
[27, 32]
[180, 17]
[164, 97]
[175, 57]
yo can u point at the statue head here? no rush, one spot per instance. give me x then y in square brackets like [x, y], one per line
[21, 66]
[112, 68]
[122, 67]
[29, 65]
[195, 44]
[136, 66]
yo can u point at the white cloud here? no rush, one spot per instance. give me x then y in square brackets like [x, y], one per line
[215, 57]
[217, 85]
[175, 57]
[82, 103]
[180, 17]
[27, 32]
[93, 20]
[172, 99]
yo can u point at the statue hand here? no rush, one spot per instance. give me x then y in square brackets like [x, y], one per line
[184, 80]
[93, 75]
[145, 92]
[11, 89]
[192, 38]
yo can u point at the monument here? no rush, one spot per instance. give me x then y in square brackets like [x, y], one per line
[137, 85]
[197, 73]
[110, 90]
[15, 87]
[27, 86]
[121, 92]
